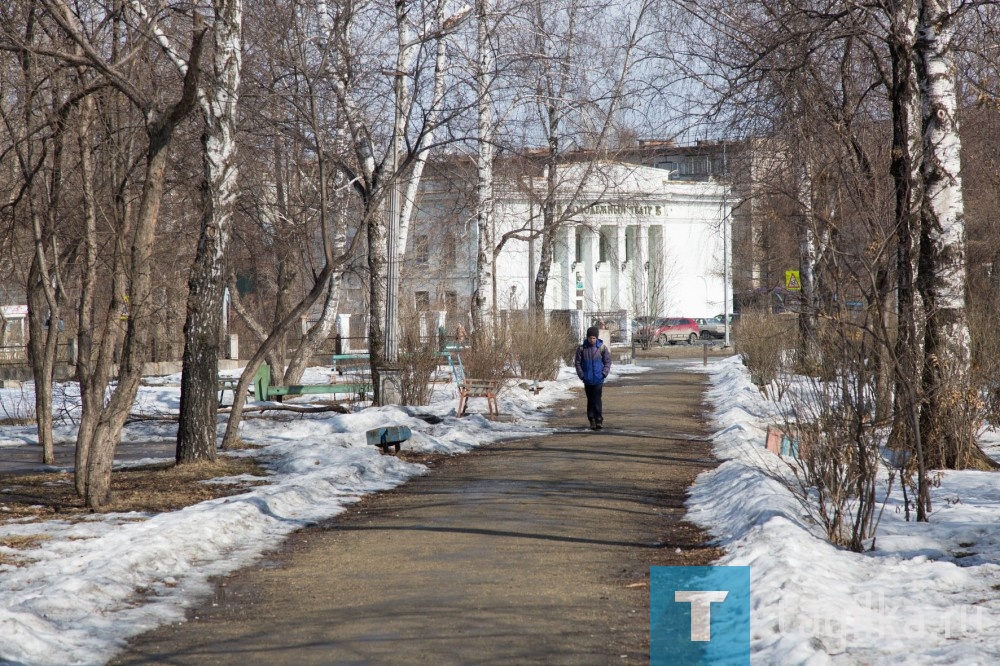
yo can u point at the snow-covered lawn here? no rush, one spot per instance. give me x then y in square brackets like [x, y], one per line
[928, 594]
[92, 583]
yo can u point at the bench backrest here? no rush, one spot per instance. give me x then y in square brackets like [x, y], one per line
[455, 363]
[262, 382]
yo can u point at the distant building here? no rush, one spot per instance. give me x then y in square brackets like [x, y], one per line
[636, 240]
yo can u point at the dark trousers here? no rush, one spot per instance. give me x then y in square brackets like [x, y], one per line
[595, 410]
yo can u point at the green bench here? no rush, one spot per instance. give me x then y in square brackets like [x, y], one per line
[350, 362]
[264, 391]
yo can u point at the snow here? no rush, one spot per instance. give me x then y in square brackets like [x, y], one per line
[92, 583]
[926, 594]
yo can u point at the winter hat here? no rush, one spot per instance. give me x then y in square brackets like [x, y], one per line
[593, 332]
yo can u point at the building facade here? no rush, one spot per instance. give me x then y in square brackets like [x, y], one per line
[627, 237]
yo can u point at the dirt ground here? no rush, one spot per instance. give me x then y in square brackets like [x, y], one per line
[532, 551]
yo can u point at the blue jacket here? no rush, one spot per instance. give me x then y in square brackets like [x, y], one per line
[593, 362]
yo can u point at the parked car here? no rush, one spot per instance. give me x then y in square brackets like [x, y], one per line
[677, 329]
[712, 328]
[645, 329]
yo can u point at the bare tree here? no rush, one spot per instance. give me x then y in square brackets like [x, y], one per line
[390, 143]
[99, 433]
[580, 86]
[35, 114]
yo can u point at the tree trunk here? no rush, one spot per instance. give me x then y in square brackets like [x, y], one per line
[808, 348]
[42, 337]
[196, 433]
[377, 260]
[135, 348]
[316, 335]
[906, 150]
[549, 229]
[947, 425]
[482, 300]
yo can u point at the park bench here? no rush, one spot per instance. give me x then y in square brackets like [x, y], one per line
[388, 436]
[264, 391]
[475, 388]
[350, 363]
[227, 384]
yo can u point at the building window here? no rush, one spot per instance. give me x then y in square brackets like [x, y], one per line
[422, 300]
[578, 257]
[604, 244]
[449, 253]
[451, 301]
[421, 250]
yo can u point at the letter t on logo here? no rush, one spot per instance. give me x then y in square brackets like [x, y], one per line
[701, 610]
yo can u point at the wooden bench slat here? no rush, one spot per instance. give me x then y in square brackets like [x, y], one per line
[478, 388]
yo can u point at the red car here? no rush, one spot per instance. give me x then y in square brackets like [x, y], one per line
[676, 329]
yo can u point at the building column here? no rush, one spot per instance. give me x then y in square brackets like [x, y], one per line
[619, 271]
[568, 299]
[658, 271]
[344, 331]
[642, 270]
[591, 253]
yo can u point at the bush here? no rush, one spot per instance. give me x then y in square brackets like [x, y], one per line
[418, 361]
[491, 358]
[539, 349]
[761, 343]
[837, 471]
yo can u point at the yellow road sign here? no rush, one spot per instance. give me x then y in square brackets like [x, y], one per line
[792, 281]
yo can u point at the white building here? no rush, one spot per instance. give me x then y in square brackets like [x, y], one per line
[634, 240]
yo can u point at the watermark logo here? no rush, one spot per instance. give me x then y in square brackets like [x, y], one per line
[867, 619]
[699, 615]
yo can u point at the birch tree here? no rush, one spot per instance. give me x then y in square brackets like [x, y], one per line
[485, 138]
[218, 97]
[945, 425]
[390, 143]
[581, 72]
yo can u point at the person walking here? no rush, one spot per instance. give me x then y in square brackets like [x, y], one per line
[593, 363]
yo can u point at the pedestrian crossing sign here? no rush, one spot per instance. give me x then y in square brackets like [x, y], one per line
[792, 281]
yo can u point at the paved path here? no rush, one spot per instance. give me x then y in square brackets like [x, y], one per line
[533, 551]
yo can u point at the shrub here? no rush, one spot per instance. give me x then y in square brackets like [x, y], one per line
[491, 359]
[762, 341]
[539, 349]
[418, 362]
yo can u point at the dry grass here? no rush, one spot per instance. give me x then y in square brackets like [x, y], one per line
[147, 489]
[18, 543]
[17, 421]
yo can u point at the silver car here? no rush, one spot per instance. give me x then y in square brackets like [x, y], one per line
[713, 328]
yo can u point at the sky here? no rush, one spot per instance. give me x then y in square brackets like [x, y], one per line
[926, 594]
